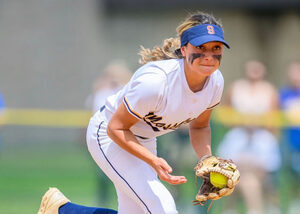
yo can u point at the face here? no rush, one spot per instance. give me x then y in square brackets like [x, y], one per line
[255, 71]
[204, 59]
[294, 75]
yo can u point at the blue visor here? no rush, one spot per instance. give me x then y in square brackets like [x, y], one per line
[201, 34]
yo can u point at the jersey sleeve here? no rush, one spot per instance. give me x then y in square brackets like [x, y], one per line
[145, 93]
[219, 86]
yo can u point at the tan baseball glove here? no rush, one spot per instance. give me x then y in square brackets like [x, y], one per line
[212, 164]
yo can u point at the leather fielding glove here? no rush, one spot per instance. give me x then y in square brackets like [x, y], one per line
[208, 191]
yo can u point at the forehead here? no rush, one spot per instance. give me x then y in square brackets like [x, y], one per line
[210, 44]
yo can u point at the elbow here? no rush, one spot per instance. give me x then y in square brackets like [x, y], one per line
[110, 130]
[202, 129]
[202, 126]
[113, 132]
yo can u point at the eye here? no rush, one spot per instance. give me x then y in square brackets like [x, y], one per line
[217, 48]
[201, 47]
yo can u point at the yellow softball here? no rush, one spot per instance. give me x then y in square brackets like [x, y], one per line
[218, 180]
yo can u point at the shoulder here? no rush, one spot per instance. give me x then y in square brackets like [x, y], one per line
[165, 65]
[268, 86]
[240, 83]
[157, 71]
[217, 78]
[149, 80]
[149, 74]
[285, 90]
[217, 75]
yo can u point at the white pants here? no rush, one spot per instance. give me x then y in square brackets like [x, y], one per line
[261, 148]
[138, 188]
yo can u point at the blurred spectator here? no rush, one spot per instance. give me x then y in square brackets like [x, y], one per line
[253, 148]
[114, 76]
[110, 80]
[290, 104]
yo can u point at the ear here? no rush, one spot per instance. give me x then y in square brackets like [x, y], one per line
[182, 49]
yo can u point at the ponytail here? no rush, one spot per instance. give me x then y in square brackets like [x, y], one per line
[169, 50]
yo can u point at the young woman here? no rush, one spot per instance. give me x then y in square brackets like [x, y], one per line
[179, 84]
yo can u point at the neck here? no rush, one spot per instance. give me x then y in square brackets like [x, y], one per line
[195, 82]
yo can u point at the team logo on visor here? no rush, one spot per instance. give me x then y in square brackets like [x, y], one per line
[210, 29]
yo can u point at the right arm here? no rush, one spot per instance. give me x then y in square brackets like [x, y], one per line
[119, 131]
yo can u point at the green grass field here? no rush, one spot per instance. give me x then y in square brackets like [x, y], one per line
[28, 170]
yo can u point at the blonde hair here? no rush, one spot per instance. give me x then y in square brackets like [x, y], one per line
[171, 46]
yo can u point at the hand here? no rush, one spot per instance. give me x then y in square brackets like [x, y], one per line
[163, 170]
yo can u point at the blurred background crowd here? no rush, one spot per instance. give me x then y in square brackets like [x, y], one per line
[60, 59]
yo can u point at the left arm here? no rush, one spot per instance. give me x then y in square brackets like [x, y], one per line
[200, 134]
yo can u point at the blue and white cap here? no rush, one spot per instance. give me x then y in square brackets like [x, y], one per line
[203, 33]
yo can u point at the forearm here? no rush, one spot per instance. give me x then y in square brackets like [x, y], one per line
[201, 140]
[118, 130]
[127, 141]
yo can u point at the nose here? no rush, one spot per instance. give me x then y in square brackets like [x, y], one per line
[208, 56]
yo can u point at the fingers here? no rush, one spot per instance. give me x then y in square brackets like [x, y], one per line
[172, 179]
[163, 170]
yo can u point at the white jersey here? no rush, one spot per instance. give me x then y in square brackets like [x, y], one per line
[159, 96]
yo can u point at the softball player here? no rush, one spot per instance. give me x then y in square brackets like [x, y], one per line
[172, 88]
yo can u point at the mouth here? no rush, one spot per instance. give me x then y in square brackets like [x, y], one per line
[207, 65]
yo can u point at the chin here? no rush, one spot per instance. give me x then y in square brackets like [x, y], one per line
[207, 72]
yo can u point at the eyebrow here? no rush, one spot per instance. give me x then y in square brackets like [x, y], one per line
[217, 45]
